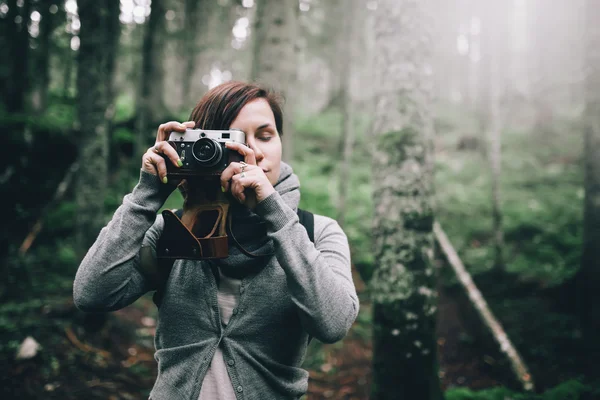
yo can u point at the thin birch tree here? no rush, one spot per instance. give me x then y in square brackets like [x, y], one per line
[490, 118]
[403, 283]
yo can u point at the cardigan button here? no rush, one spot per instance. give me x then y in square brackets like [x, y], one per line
[240, 389]
[230, 362]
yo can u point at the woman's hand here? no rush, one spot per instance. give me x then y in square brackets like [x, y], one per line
[153, 161]
[247, 182]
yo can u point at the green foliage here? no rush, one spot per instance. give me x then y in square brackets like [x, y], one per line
[542, 203]
[318, 159]
[123, 136]
[125, 107]
[58, 116]
[175, 201]
[541, 191]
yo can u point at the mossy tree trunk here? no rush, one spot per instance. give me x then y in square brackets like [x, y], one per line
[403, 283]
[99, 35]
[589, 274]
[275, 58]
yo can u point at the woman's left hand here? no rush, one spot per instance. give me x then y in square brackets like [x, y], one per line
[247, 182]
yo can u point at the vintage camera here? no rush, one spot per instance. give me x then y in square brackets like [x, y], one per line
[199, 232]
[203, 152]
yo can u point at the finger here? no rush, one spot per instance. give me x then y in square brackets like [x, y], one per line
[228, 173]
[247, 152]
[159, 164]
[164, 130]
[147, 163]
[169, 152]
[234, 170]
[238, 188]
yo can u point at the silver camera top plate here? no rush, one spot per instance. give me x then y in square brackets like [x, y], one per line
[191, 135]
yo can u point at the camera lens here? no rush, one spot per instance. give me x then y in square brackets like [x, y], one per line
[207, 152]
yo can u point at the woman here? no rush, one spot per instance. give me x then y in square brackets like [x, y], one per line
[236, 328]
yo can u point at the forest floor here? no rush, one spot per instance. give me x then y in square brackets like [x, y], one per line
[346, 372]
[117, 361]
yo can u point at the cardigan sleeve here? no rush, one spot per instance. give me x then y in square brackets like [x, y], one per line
[109, 277]
[319, 275]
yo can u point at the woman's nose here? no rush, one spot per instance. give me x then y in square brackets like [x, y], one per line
[257, 152]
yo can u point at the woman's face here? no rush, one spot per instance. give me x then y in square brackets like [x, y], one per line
[256, 119]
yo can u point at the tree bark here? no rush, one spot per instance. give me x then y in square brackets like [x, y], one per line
[403, 283]
[589, 274]
[99, 34]
[149, 103]
[15, 80]
[490, 117]
[68, 70]
[544, 64]
[275, 56]
[47, 24]
[192, 21]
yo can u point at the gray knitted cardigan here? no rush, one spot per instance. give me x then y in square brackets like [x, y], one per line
[305, 290]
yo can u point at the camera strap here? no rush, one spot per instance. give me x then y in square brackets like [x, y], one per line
[165, 265]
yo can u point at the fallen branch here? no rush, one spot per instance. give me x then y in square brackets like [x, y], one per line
[82, 346]
[58, 195]
[488, 318]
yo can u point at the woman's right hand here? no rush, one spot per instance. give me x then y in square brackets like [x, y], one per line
[153, 161]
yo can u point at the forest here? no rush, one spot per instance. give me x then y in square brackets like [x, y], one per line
[456, 142]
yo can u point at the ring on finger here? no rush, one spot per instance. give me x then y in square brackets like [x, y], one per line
[244, 165]
[243, 174]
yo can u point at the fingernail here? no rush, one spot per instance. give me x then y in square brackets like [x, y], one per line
[222, 189]
[165, 180]
[179, 162]
[182, 126]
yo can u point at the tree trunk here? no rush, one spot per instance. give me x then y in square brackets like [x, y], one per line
[16, 79]
[403, 283]
[68, 70]
[346, 59]
[47, 25]
[589, 275]
[331, 48]
[149, 103]
[544, 64]
[275, 56]
[100, 29]
[491, 124]
[190, 48]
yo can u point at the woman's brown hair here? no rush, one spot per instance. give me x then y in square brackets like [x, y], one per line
[219, 107]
